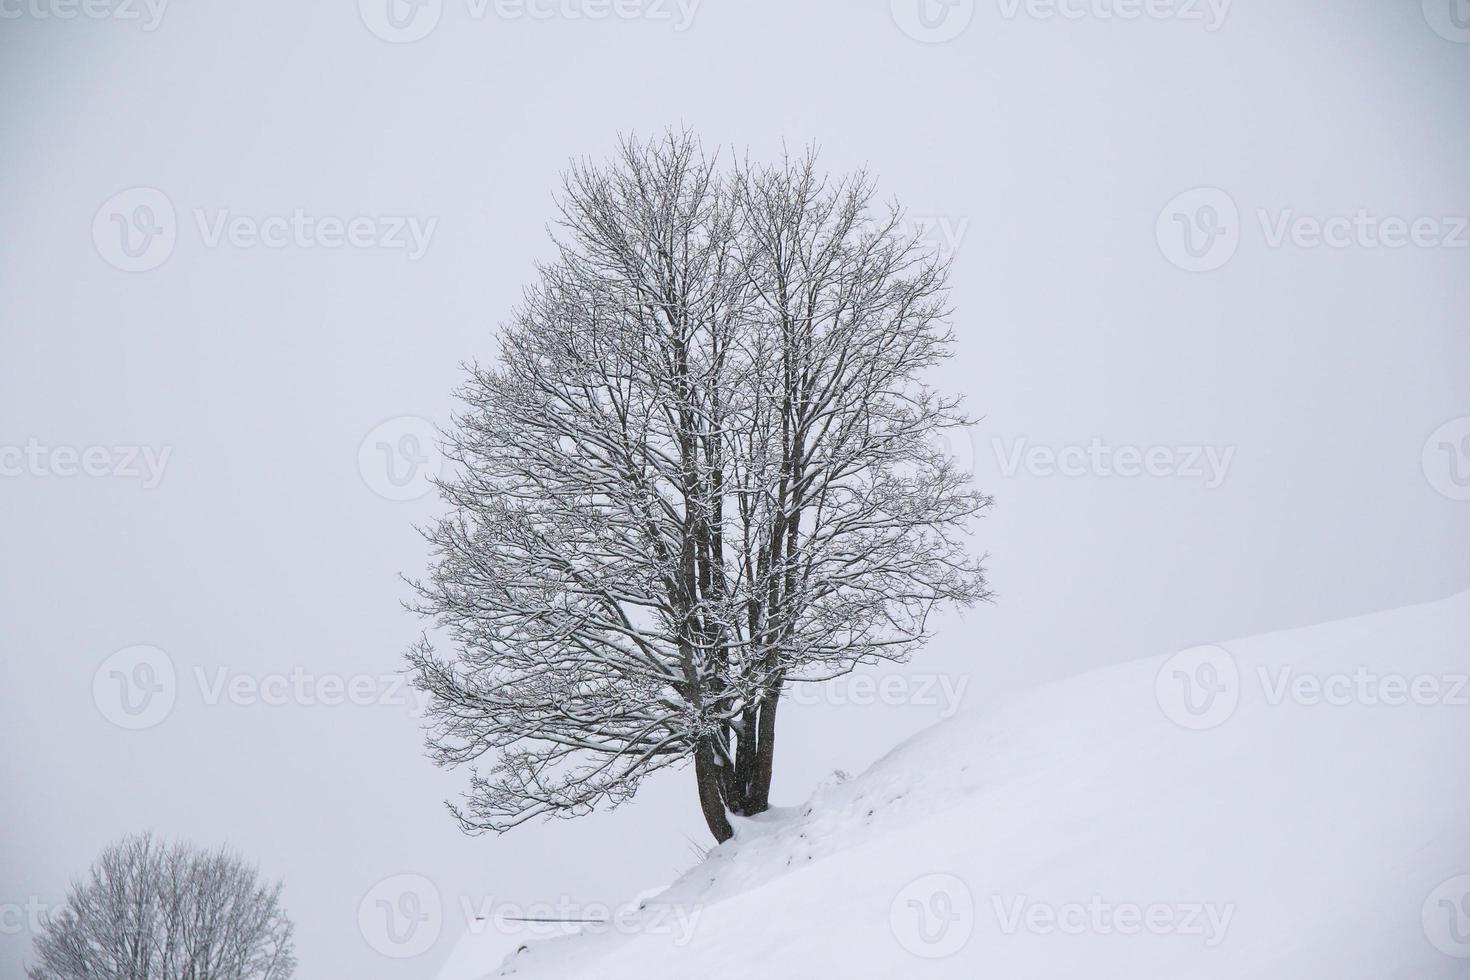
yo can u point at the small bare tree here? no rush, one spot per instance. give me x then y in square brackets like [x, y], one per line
[153, 911]
[704, 468]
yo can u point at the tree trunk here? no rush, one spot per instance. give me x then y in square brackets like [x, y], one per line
[765, 756]
[711, 800]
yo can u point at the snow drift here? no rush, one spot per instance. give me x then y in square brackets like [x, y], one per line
[1287, 806]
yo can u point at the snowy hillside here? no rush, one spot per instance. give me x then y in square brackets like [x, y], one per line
[1287, 806]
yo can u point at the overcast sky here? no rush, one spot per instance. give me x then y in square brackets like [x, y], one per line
[1211, 299]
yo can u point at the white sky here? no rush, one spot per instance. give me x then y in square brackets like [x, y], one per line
[1049, 145]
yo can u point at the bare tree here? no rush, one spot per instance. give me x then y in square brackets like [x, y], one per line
[154, 911]
[704, 468]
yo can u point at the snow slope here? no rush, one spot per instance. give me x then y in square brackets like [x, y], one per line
[1309, 820]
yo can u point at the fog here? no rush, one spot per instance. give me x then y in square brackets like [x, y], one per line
[1210, 302]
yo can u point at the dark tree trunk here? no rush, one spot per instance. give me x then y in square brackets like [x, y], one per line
[759, 795]
[711, 799]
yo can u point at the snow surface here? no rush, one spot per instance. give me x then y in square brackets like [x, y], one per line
[1099, 827]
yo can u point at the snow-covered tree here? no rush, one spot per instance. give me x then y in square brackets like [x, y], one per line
[703, 468]
[155, 911]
